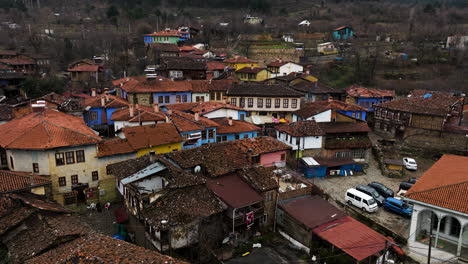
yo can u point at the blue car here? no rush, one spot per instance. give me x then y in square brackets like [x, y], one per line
[398, 206]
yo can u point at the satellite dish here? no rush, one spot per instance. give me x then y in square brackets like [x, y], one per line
[197, 169]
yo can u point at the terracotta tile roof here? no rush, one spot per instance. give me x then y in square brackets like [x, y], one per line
[260, 178]
[97, 248]
[277, 63]
[232, 190]
[17, 61]
[438, 104]
[260, 145]
[11, 181]
[340, 28]
[310, 109]
[301, 129]
[155, 86]
[46, 129]
[205, 86]
[216, 66]
[239, 60]
[38, 202]
[181, 63]
[114, 147]
[358, 91]
[236, 127]
[8, 52]
[445, 184]
[141, 114]
[131, 79]
[165, 47]
[353, 237]
[140, 137]
[183, 206]
[268, 90]
[187, 48]
[183, 107]
[354, 142]
[344, 127]
[4, 67]
[85, 68]
[304, 208]
[254, 70]
[112, 102]
[185, 122]
[421, 93]
[207, 107]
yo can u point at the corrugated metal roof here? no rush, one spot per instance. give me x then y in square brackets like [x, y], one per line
[151, 169]
[310, 161]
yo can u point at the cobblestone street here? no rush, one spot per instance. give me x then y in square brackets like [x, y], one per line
[101, 222]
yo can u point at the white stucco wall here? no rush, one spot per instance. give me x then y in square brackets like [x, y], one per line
[312, 142]
[223, 113]
[205, 95]
[322, 117]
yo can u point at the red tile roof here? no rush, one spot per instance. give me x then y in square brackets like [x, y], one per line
[97, 248]
[304, 209]
[340, 28]
[215, 65]
[236, 127]
[445, 184]
[260, 145]
[344, 127]
[438, 104]
[85, 68]
[167, 33]
[250, 70]
[234, 191]
[114, 147]
[187, 48]
[11, 181]
[152, 86]
[186, 122]
[110, 101]
[301, 129]
[147, 136]
[17, 61]
[277, 63]
[358, 91]
[140, 114]
[260, 178]
[353, 237]
[46, 129]
[239, 60]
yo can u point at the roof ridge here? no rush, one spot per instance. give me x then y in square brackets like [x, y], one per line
[81, 133]
[19, 136]
[438, 188]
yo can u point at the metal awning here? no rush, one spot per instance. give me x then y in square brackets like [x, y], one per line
[150, 170]
[310, 161]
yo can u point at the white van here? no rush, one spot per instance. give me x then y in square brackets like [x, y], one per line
[361, 200]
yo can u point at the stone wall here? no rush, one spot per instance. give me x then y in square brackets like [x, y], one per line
[269, 55]
[435, 141]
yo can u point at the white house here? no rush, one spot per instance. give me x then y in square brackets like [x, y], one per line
[304, 23]
[282, 68]
[441, 204]
[457, 42]
[137, 115]
[302, 136]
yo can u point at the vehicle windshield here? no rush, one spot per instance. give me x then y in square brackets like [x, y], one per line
[375, 194]
[371, 201]
[405, 206]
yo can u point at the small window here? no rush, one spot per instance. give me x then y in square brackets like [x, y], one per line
[294, 103]
[80, 157]
[260, 103]
[283, 156]
[70, 157]
[242, 102]
[62, 181]
[59, 159]
[74, 179]
[95, 175]
[277, 103]
[350, 195]
[285, 103]
[264, 219]
[93, 115]
[234, 101]
[3, 158]
[36, 167]
[108, 170]
[236, 137]
[358, 198]
[250, 102]
[161, 99]
[184, 98]
[177, 99]
[365, 202]
[268, 103]
[167, 99]
[224, 138]
[12, 165]
[211, 134]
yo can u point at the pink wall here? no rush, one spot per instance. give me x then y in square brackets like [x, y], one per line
[270, 159]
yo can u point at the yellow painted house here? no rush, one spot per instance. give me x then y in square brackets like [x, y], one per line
[160, 149]
[240, 62]
[253, 74]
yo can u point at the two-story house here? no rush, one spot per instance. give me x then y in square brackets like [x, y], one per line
[404, 117]
[330, 111]
[182, 68]
[367, 97]
[265, 103]
[59, 146]
[229, 129]
[156, 51]
[166, 36]
[210, 109]
[317, 91]
[343, 33]
[85, 71]
[240, 62]
[137, 115]
[282, 68]
[253, 74]
[304, 137]
[99, 110]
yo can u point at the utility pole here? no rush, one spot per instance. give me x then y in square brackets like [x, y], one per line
[430, 239]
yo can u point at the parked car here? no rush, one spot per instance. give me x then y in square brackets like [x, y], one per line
[382, 189]
[398, 206]
[372, 192]
[412, 180]
[405, 186]
[361, 200]
[410, 163]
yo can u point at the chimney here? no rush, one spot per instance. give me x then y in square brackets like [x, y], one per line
[197, 116]
[250, 156]
[307, 72]
[169, 112]
[152, 156]
[167, 119]
[330, 98]
[347, 100]
[230, 121]
[31, 179]
[39, 106]
[106, 94]
[280, 60]
[93, 92]
[131, 110]
[156, 107]
[103, 101]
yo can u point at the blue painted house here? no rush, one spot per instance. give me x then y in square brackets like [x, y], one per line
[195, 130]
[99, 109]
[367, 98]
[230, 129]
[320, 167]
[166, 36]
[164, 98]
[329, 110]
[343, 33]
